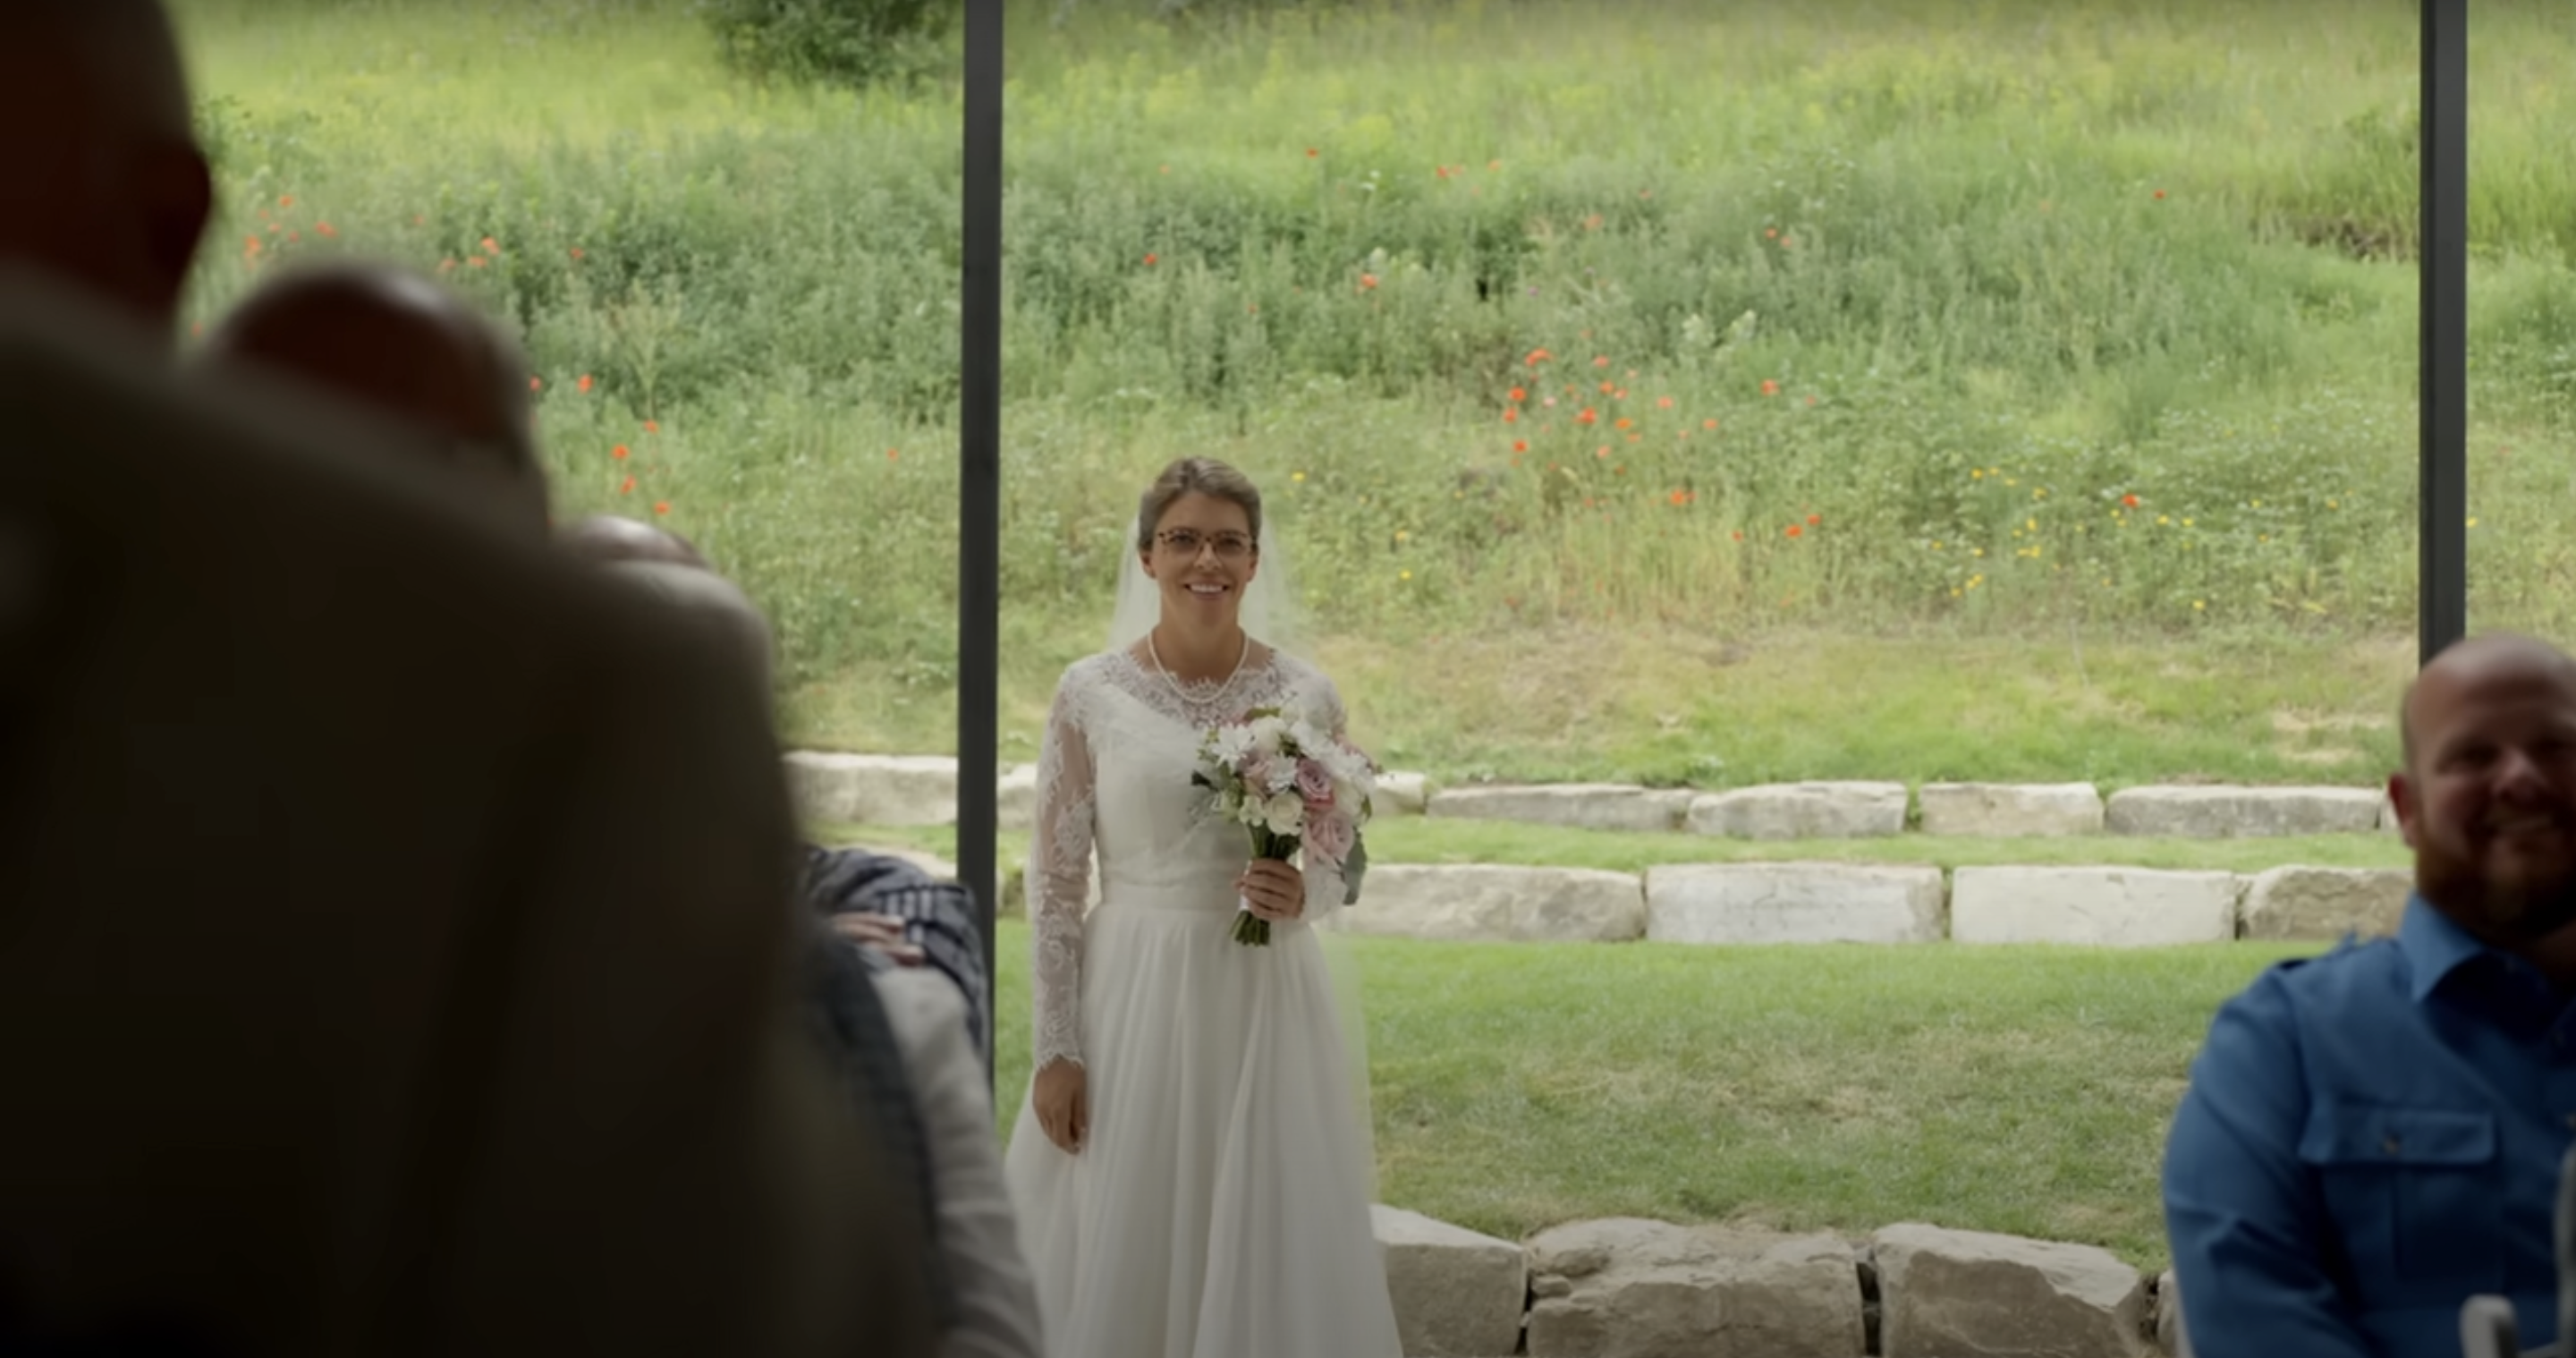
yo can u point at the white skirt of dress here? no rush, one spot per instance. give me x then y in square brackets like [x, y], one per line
[1219, 1207]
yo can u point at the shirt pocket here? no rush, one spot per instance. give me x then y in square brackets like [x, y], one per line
[2416, 1196]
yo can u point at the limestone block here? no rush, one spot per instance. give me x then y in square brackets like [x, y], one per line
[2125, 907]
[2010, 810]
[2242, 812]
[1802, 811]
[1793, 903]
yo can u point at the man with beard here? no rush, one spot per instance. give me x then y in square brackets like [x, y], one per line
[2374, 1136]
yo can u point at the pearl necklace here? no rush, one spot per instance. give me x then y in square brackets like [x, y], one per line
[1223, 689]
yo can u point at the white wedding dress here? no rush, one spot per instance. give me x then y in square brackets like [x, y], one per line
[1219, 1207]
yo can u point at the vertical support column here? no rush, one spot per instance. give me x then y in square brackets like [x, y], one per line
[979, 500]
[2442, 488]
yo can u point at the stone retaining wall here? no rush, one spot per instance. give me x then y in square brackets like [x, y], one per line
[1761, 903]
[1630, 1288]
[1741, 903]
[869, 789]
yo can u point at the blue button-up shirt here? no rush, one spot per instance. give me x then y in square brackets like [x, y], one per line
[2372, 1137]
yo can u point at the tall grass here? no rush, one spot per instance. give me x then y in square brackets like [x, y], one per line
[1990, 321]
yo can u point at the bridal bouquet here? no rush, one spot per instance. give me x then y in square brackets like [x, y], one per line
[1290, 785]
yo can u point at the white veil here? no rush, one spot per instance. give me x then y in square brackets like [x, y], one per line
[1269, 602]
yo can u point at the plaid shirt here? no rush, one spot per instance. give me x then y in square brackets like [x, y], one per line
[938, 917]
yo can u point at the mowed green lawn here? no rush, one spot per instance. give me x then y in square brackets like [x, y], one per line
[2023, 1090]
[2015, 1089]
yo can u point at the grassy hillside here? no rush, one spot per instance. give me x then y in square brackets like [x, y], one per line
[1932, 389]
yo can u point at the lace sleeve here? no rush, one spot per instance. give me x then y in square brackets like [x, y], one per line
[1059, 879]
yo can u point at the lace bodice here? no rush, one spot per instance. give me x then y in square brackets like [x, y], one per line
[1114, 785]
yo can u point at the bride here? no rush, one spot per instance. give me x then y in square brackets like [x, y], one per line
[1191, 1170]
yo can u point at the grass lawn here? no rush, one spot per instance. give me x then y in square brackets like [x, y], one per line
[2015, 1089]
[2023, 1090]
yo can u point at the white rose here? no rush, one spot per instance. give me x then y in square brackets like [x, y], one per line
[1285, 814]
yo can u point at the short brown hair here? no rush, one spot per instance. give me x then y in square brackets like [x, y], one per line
[1199, 476]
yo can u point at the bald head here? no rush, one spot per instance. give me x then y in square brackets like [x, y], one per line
[703, 594]
[2487, 798]
[2474, 663]
[398, 343]
[106, 188]
[605, 539]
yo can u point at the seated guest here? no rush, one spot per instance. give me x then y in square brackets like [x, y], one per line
[405, 347]
[2374, 1136]
[864, 999]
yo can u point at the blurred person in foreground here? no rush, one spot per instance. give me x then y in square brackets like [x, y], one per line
[470, 1028]
[902, 914]
[107, 190]
[604, 538]
[2374, 1136]
[907, 1037]
[399, 344]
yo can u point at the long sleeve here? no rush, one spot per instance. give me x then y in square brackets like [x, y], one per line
[1059, 878]
[2250, 1241]
[996, 1295]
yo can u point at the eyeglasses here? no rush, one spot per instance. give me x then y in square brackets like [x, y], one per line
[1186, 542]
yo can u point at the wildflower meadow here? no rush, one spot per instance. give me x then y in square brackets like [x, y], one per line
[1688, 394]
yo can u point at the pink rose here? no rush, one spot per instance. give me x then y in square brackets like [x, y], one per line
[1256, 773]
[1314, 782]
[1329, 838]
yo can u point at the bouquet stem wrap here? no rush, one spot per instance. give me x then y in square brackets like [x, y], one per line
[1250, 928]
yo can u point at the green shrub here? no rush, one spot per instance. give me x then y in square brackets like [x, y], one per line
[827, 42]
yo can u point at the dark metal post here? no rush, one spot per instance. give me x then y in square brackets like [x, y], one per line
[2442, 488]
[979, 501]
